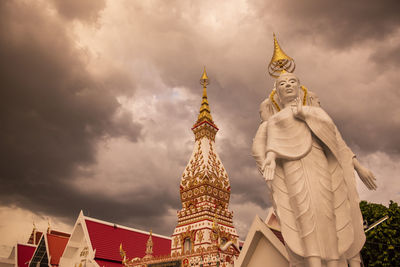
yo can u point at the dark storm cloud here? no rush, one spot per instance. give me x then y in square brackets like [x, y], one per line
[245, 185]
[341, 23]
[87, 10]
[373, 131]
[387, 56]
[52, 113]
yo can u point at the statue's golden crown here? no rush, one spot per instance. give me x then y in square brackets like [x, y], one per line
[280, 62]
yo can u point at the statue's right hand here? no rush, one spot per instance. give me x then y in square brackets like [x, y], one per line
[297, 109]
[269, 166]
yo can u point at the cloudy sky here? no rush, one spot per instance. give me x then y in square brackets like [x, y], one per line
[98, 98]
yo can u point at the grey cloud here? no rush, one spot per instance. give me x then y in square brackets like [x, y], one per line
[122, 125]
[52, 112]
[339, 25]
[246, 183]
[387, 56]
[368, 134]
[87, 10]
[342, 23]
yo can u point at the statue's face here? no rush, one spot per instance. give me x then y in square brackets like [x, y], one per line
[288, 86]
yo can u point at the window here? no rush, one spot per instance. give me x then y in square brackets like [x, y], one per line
[187, 245]
[223, 241]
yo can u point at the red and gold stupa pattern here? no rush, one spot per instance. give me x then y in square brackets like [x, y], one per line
[205, 228]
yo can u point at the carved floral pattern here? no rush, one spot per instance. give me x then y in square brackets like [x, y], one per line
[205, 171]
[200, 236]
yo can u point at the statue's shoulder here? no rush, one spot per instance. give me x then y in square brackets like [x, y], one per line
[266, 109]
[313, 99]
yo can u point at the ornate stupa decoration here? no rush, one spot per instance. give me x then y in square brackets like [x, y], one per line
[205, 193]
[280, 62]
[205, 173]
[204, 125]
[149, 246]
[204, 235]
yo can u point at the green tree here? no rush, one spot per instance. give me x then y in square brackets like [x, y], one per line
[382, 247]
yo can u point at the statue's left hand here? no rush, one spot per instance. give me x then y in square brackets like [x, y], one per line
[366, 176]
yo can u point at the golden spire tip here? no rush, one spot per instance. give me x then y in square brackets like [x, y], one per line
[204, 78]
[205, 113]
[204, 74]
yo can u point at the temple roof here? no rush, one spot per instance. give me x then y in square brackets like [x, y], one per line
[56, 246]
[50, 247]
[24, 254]
[106, 238]
[35, 237]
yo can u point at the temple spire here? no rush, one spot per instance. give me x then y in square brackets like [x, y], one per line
[205, 113]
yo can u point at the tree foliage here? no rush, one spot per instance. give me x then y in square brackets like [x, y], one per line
[382, 247]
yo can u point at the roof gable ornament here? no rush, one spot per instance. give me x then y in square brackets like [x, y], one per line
[149, 246]
[48, 225]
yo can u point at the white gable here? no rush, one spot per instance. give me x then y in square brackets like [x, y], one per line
[262, 248]
[79, 248]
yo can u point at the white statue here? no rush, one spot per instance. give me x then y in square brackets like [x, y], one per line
[310, 172]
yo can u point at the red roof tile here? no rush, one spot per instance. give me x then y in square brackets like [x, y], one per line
[56, 245]
[24, 254]
[106, 239]
[103, 263]
[36, 239]
[59, 233]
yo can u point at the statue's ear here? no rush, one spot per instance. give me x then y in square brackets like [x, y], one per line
[276, 96]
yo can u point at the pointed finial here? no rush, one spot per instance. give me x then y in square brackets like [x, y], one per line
[48, 225]
[32, 238]
[123, 255]
[280, 62]
[204, 79]
[205, 113]
[121, 250]
[149, 245]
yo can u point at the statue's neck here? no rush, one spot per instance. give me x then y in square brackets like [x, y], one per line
[289, 102]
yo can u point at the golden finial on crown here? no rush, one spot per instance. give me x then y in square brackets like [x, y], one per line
[280, 62]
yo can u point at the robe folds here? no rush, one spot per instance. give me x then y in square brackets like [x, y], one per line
[314, 189]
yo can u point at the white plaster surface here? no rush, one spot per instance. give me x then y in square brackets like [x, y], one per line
[310, 173]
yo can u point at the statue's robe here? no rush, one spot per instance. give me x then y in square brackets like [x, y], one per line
[313, 190]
